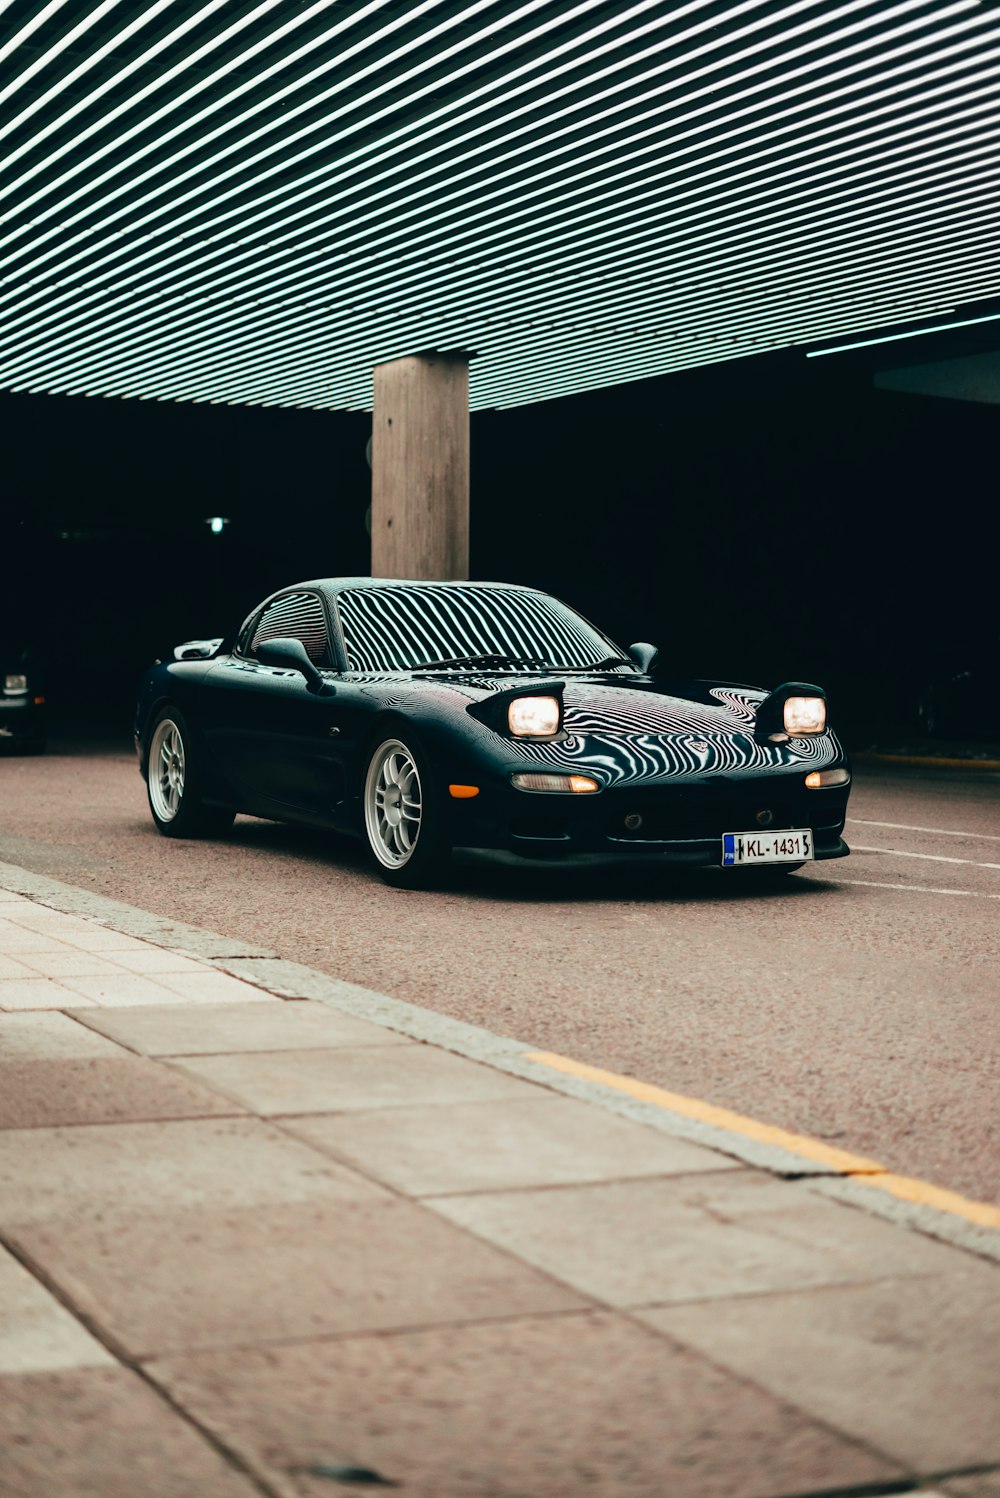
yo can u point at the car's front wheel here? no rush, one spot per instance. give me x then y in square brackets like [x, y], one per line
[173, 782]
[403, 828]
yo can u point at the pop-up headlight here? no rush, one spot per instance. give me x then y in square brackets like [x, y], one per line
[534, 717]
[793, 709]
[804, 715]
[14, 683]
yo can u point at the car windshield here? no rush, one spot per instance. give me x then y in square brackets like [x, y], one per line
[427, 625]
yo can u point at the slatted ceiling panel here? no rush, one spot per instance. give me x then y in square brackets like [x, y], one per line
[299, 616]
[256, 202]
[406, 626]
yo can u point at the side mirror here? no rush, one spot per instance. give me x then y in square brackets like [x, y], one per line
[291, 655]
[644, 655]
[197, 650]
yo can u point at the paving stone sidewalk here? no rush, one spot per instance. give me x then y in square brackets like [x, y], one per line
[253, 1245]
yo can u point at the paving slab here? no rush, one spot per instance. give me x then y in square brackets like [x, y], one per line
[206, 1278]
[209, 1029]
[70, 962]
[43, 918]
[103, 1433]
[102, 939]
[10, 968]
[77, 1174]
[540, 1141]
[210, 987]
[37, 1334]
[148, 959]
[549, 1407]
[903, 1365]
[38, 993]
[100, 1089]
[123, 989]
[15, 939]
[47, 1035]
[633, 1243]
[333, 1081]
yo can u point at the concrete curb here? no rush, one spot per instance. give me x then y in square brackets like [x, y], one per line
[286, 979]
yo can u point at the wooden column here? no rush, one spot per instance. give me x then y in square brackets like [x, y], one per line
[420, 467]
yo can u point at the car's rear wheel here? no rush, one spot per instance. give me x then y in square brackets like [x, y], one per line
[174, 782]
[403, 826]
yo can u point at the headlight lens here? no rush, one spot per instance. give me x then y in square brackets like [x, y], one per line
[579, 785]
[805, 715]
[818, 780]
[15, 683]
[534, 717]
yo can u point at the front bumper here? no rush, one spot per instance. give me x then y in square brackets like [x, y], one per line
[680, 823]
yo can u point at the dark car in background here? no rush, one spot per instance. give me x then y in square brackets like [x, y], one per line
[958, 694]
[23, 726]
[430, 717]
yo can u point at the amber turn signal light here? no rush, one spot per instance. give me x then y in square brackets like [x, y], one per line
[821, 779]
[463, 792]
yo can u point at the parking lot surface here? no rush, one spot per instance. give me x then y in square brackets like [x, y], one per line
[855, 1004]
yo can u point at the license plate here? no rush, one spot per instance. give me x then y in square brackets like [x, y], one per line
[793, 845]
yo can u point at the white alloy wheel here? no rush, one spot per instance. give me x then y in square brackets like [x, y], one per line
[393, 804]
[167, 763]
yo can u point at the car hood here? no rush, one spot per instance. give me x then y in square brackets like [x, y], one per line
[621, 728]
[620, 733]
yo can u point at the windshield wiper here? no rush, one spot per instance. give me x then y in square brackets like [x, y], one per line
[608, 662]
[494, 659]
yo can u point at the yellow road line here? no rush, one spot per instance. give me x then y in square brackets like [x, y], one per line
[983, 1214]
[937, 762]
[857, 1167]
[722, 1118]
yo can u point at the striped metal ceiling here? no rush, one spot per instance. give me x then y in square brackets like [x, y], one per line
[257, 202]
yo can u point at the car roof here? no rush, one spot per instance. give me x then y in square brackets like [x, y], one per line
[340, 584]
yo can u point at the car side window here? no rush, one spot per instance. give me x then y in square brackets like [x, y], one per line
[299, 616]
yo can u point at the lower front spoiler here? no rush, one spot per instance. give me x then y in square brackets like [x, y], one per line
[695, 855]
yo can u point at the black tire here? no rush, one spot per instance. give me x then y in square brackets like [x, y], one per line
[425, 861]
[174, 781]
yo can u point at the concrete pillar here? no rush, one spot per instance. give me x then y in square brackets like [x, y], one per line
[420, 467]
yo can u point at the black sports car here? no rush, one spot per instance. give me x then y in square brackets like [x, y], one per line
[427, 717]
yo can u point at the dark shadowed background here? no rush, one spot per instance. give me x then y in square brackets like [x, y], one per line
[763, 520]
